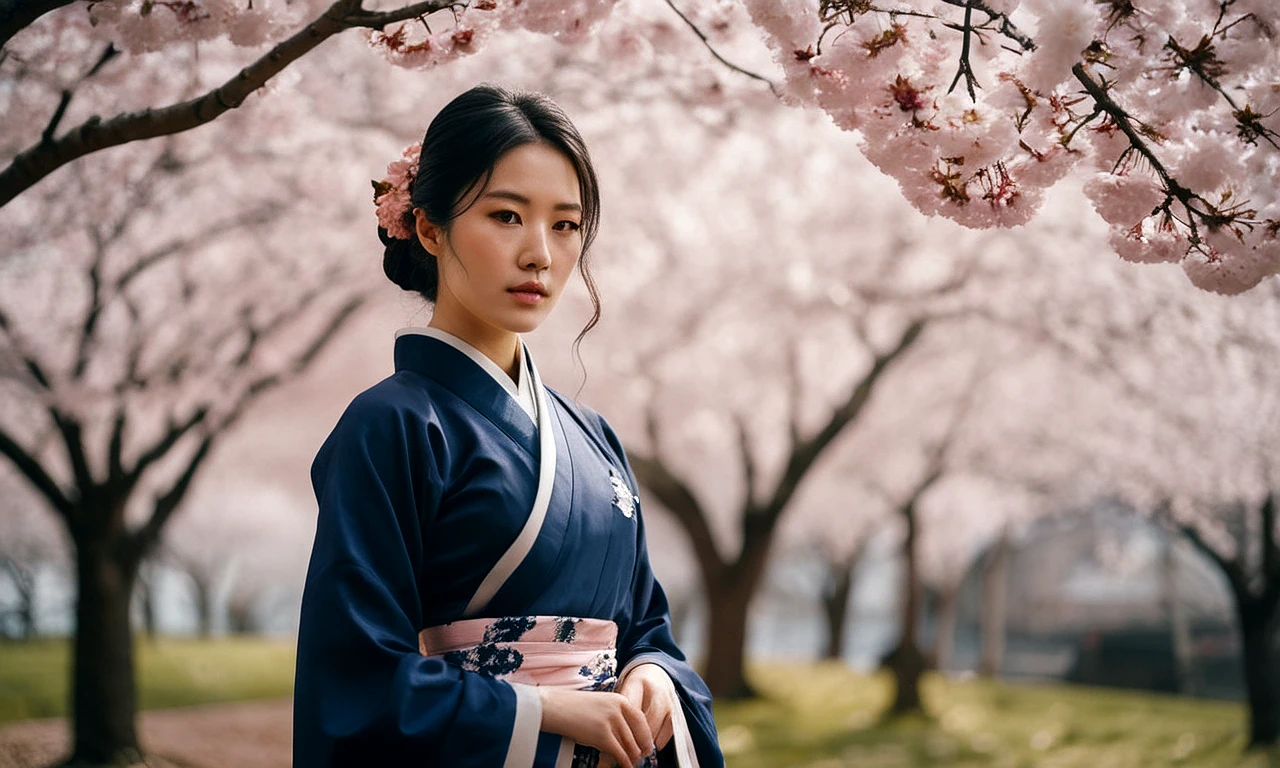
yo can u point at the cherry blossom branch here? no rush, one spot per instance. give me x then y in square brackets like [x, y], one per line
[35, 474]
[1007, 27]
[266, 381]
[67, 93]
[1230, 567]
[1172, 189]
[1203, 62]
[174, 432]
[795, 392]
[748, 458]
[32, 165]
[654, 474]
[1270, 547]
[705, 41]
[115, 447]
[144, 539]
[25, 356]
[966, 68]
[831, 10]
[807, 452]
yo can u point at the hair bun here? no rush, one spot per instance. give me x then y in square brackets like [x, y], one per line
[408, 265]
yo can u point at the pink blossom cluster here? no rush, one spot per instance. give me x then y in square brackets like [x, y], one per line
[429, 42]
[1183, 145]
[138, 26]
[392, 194]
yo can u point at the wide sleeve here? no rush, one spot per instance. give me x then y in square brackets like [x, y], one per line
[645, 637]
[363, 694]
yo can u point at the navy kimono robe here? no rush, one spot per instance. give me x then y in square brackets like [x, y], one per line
[423, 485]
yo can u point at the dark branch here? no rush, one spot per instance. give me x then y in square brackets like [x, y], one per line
[70, 429]
[1098, 91]
[143, 541]
[796, 395]
[1007, 27]
[1270, 546]
[702, 36]
[36, 475]
[808, 451]
[677, 497]
[28, 359]
[115, 448]
[747, 456]
[158, 450]
[270, 380]
[95, 134]
[1230, 568]
[965, 69]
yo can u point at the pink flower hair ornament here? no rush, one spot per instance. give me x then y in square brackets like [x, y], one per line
[391, 194]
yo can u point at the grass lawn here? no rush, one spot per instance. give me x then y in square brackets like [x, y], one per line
[173, 672]
[825, 716]
[812, 715]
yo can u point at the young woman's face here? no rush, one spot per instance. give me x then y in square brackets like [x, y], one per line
[505, 260]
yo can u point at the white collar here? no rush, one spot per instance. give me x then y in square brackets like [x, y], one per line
[520, 390]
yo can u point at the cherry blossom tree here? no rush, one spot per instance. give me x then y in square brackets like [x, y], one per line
[138, 331]
[977, 107]
[767, 371]
[1167, 402]
[835, 518]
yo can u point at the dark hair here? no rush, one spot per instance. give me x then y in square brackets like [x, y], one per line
[462, 145]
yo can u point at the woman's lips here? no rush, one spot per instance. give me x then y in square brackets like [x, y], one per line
[527, 297]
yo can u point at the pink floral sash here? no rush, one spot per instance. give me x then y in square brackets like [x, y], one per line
[537, 650]
[557, 651]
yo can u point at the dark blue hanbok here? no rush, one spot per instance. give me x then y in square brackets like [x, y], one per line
[446, 511]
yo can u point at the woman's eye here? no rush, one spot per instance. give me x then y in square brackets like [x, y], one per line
[506, 217]
[568, 226]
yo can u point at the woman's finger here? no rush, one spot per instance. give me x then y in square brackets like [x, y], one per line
[616, 753]
[639, 728]
[632, 743]
[665, 732]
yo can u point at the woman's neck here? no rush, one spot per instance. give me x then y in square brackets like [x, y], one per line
[498, 345]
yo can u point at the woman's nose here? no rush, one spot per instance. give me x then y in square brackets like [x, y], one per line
[537, 252]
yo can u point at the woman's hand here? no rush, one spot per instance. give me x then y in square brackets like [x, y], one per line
[649, 689]
[607, 721]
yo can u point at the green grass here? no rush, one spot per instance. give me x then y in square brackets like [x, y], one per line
[810, 715]
[825, 716]
[172, 672]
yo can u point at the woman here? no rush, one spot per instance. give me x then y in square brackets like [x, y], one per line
[479, 592]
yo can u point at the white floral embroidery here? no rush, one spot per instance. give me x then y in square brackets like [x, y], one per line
[623, 498]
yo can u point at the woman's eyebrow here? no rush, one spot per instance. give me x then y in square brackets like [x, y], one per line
[519, 198]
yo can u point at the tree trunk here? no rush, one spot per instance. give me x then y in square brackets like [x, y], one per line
[147, 603]
[944, 637]
[995, 587]
[729, 594]
[728, 602]
[104, 699]
[1261, 674]
[240, 616]
[1179, 624]
[835, 604]
[906, 661]
[680, 606]
[24, 582]
[203, 586]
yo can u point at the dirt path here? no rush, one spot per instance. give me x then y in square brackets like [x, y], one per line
[245, 735]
